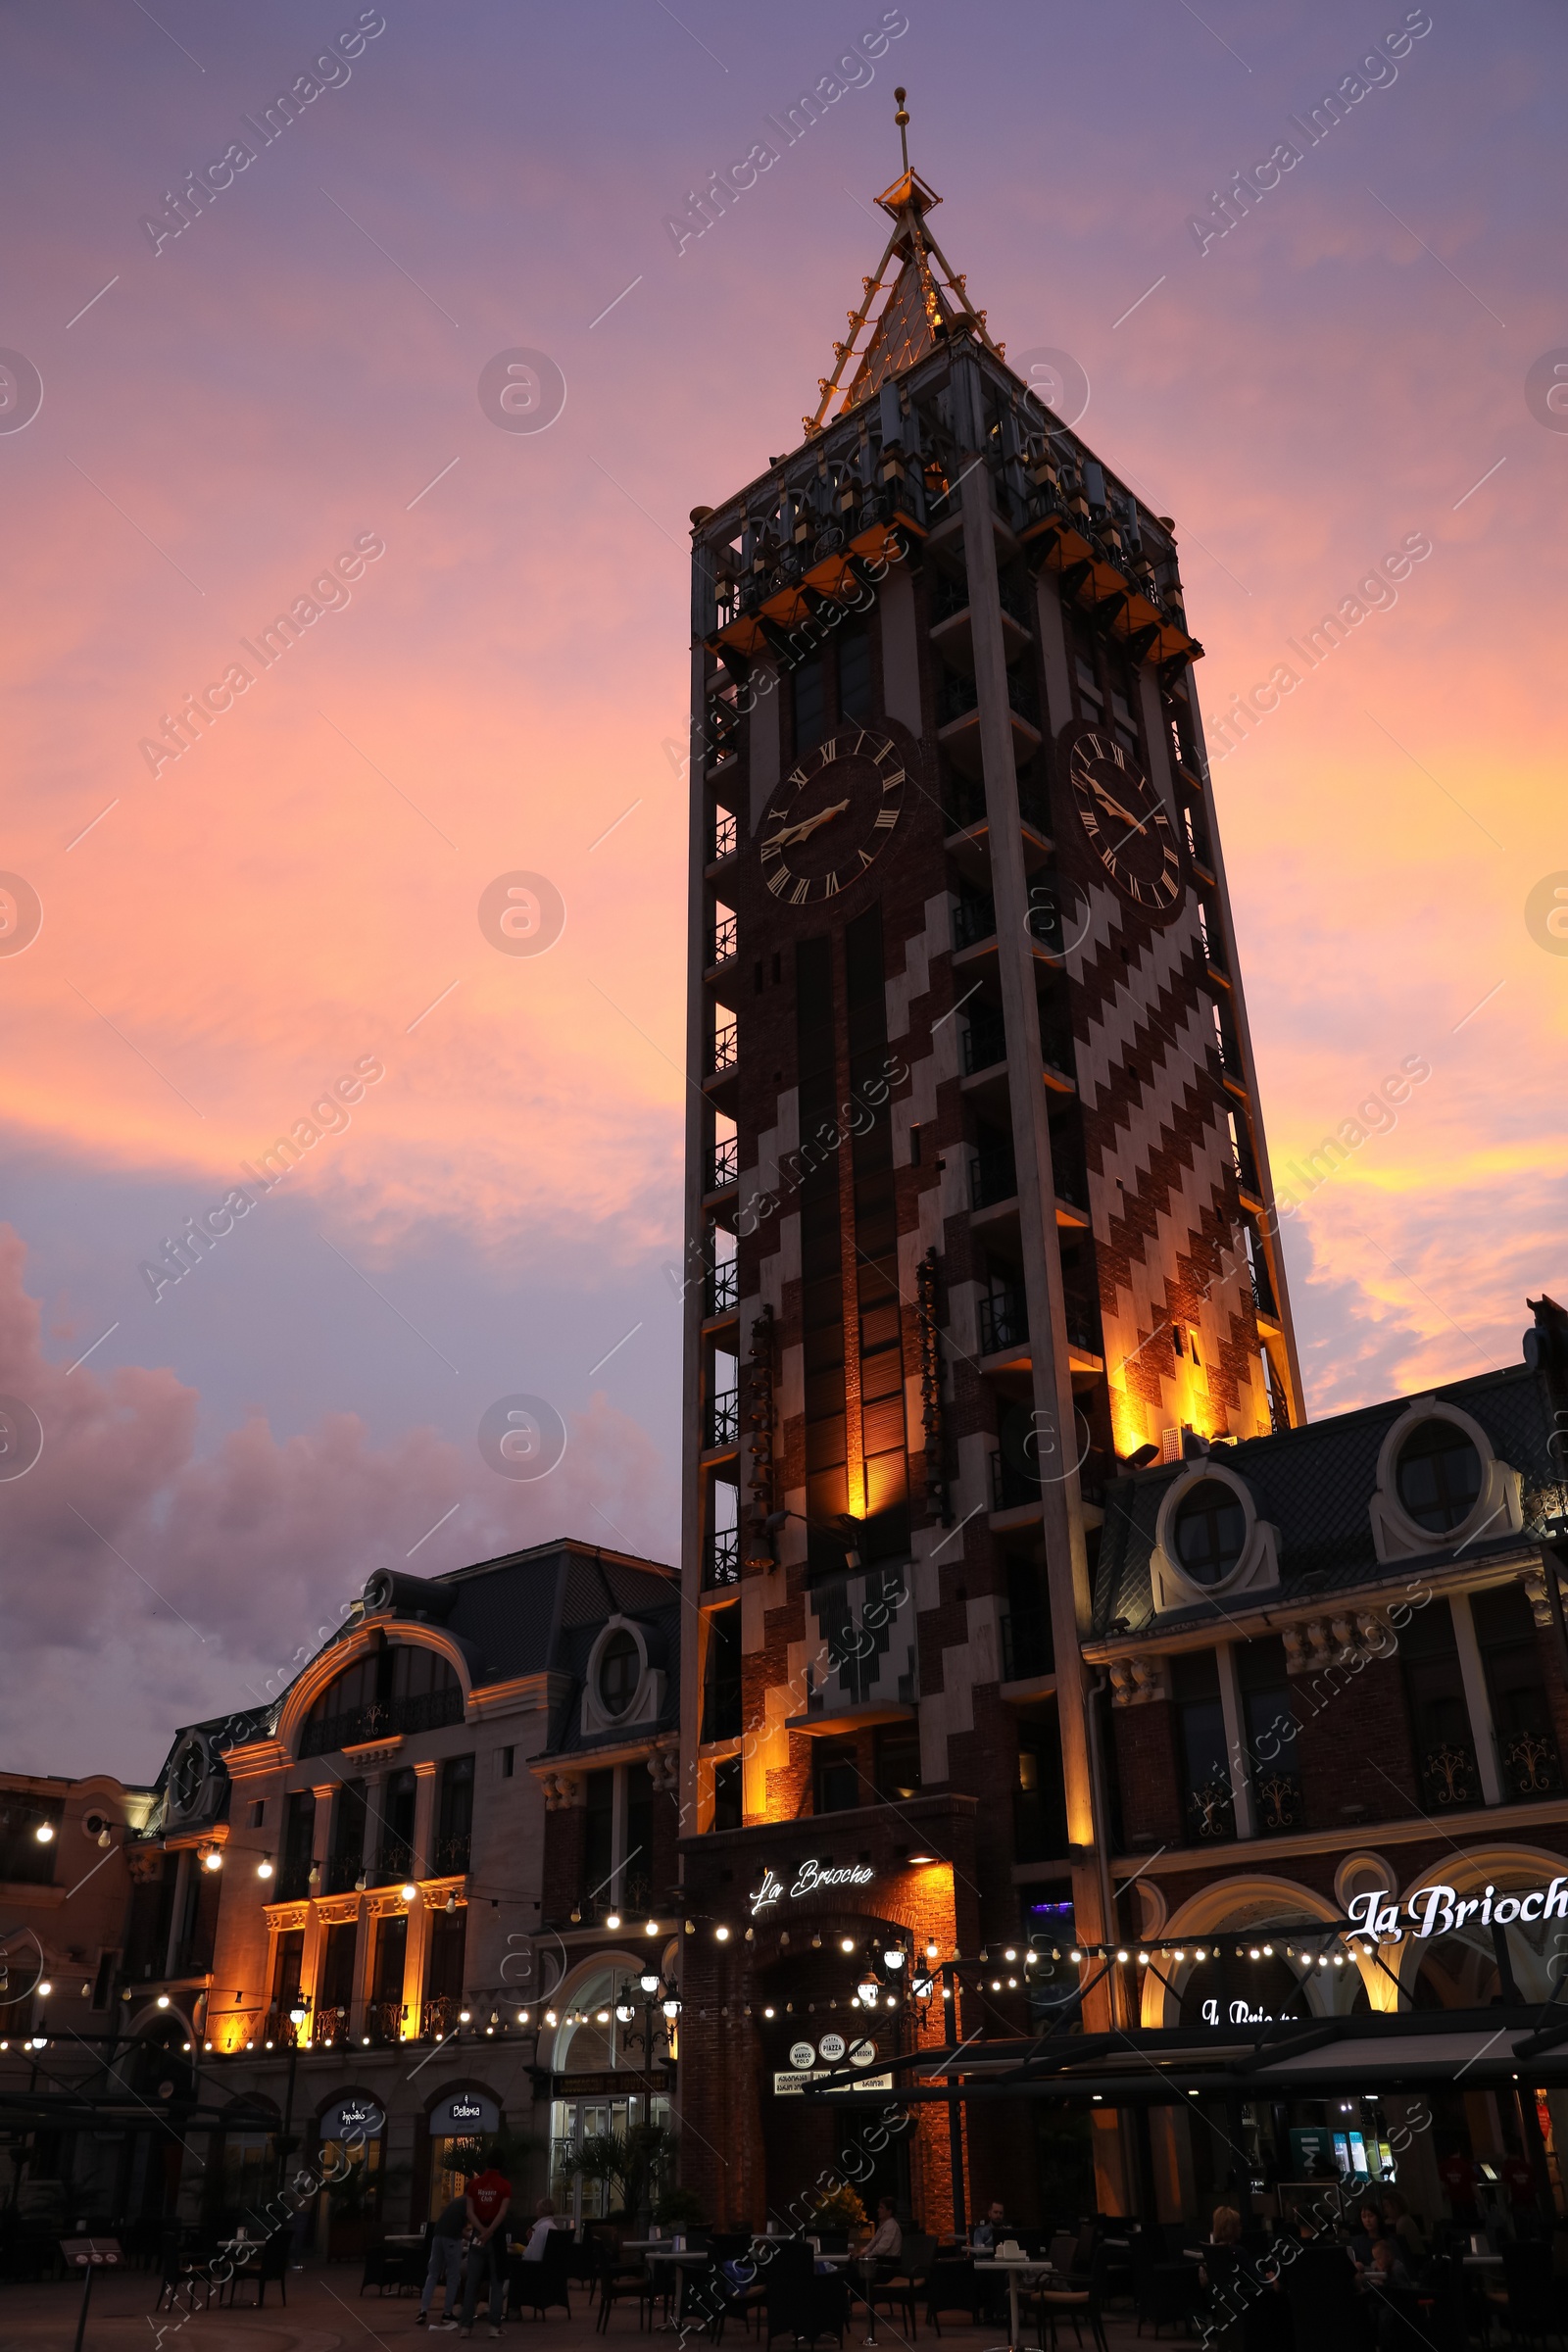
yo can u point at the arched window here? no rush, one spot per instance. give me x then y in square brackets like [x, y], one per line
[1210, 1532]
[397, 1686]
[1438, 1475]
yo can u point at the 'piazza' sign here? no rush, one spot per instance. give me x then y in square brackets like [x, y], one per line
[1439, 1910]
[810, 1877]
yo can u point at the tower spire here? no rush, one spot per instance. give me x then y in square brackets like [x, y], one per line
[921, 308]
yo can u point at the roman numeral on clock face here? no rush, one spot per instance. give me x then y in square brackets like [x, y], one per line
[800, 893]
[890, 783]
[886, 818]
[830, 886]
[830, 752]
[778, 883]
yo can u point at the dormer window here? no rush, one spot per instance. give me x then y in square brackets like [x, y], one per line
[1437, 1474]
[1210, 1531]
[620, 1669]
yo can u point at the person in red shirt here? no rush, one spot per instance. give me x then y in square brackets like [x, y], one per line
[489, 2203]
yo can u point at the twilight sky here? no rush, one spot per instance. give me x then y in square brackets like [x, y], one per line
[295, 900]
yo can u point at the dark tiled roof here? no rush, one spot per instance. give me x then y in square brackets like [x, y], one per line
[529, 1613]
[1315, 1485]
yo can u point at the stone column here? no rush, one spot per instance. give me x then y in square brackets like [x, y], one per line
[417, 1950]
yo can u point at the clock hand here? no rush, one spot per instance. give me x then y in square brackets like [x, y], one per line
[806, 827]
[1113, 806]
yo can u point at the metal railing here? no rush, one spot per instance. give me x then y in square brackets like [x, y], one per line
[1278, 1798]
[993, 1177]
[725, 1164]
[974, 918]
[725, 1051]
[724, 838]
[1451, 1776]
[1026, 1645]
[1262, 1294]
[985, 1039]
[1530, 1764]
[1211, 1811]
[721, 1563]
[1004, 1318]
[949, 595]
[438, 2017]
[1010, 1487]
[430, 1711]
[723, 1418]
[394, 1863]
[723, 939]
[450, 1857]
[723, 1287]
[342, 1873]
[331, 2026]
[294, 1879]
[279, 2028]
[384, 2022]
[964, 805]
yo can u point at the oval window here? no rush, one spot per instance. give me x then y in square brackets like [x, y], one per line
[1210, 1532]
[620, 1668]
[1439, 1476]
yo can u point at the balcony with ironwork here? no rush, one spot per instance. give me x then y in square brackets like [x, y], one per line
[1450, 1778]
[1027, 1650]
[279, 2032]
[722, 1557]
[985, 1039]
[448, 1856]
[329, 2027]
[974, 918]
[430, 1711]
[721, 1420]
[723, 940]
[1003, 1319]
[1011, 1487]
[723, 1050]
[722, 1289]
[393, 1864]
[439, 2017]
[293, 1879]
[723, 1165]
[1278, 1803]
[343, 1874]
[993, 1177]
[383, 2023]
[1211, 1812]
[723, 837]
[1531, 1765]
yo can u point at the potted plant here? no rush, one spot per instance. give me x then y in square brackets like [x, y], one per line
[839, 2207]
[681, 2208]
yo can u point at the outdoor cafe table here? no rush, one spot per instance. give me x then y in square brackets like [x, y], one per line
[1015, 2265]
[660, 2249]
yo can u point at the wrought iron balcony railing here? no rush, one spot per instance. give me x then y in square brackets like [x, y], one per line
[330, 2027]
[438, 2017]
[342, 1872]
[724, 839]
[949, 595]
[279, 2028]
[384, 2022]
[1278, 1798]
[1211, 1812]
[449, 1856]
[723, 1287]
[974, 918]
[1530, 1764]
[725, 1164]
[723, 1419]
[1003, 1317]
[993, 1177]
[1010, 1487]
[725, 1051]
[1450, 1777]
[293, 1879]
[394, 1863]
[1026, 1644]
[428, 1712]
[721, 1564]
[956, 697]
[985, 1039]
[723, 939]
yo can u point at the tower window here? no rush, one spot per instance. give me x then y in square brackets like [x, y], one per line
[728, 1811]
[854, 673]
[809, 706]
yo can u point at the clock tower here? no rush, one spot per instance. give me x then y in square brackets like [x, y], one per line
[977, 1191]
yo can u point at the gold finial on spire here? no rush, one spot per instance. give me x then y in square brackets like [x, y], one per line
[901, 118]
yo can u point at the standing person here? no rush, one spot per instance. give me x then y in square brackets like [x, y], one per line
[489, 2201]
[447, 2234]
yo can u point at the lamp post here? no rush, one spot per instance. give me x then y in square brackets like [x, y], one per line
[660, 1999]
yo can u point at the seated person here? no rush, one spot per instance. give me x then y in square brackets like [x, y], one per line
[1366, 2233]
[1225, 2232]
[1400, 2224]
[545, 2219]
[993, 2229]
[886, 2241]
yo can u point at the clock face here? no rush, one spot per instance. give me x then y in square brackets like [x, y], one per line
[831, 815]
[1126, 823]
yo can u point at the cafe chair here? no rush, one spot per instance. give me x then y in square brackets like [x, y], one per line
[896, 2282]
[542, 2285]
[183, 2275]
[951, 2286]
[620, 2278]
[799, 2304]
[1164, 2293]
[1049, 2304]
[270, 2267]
